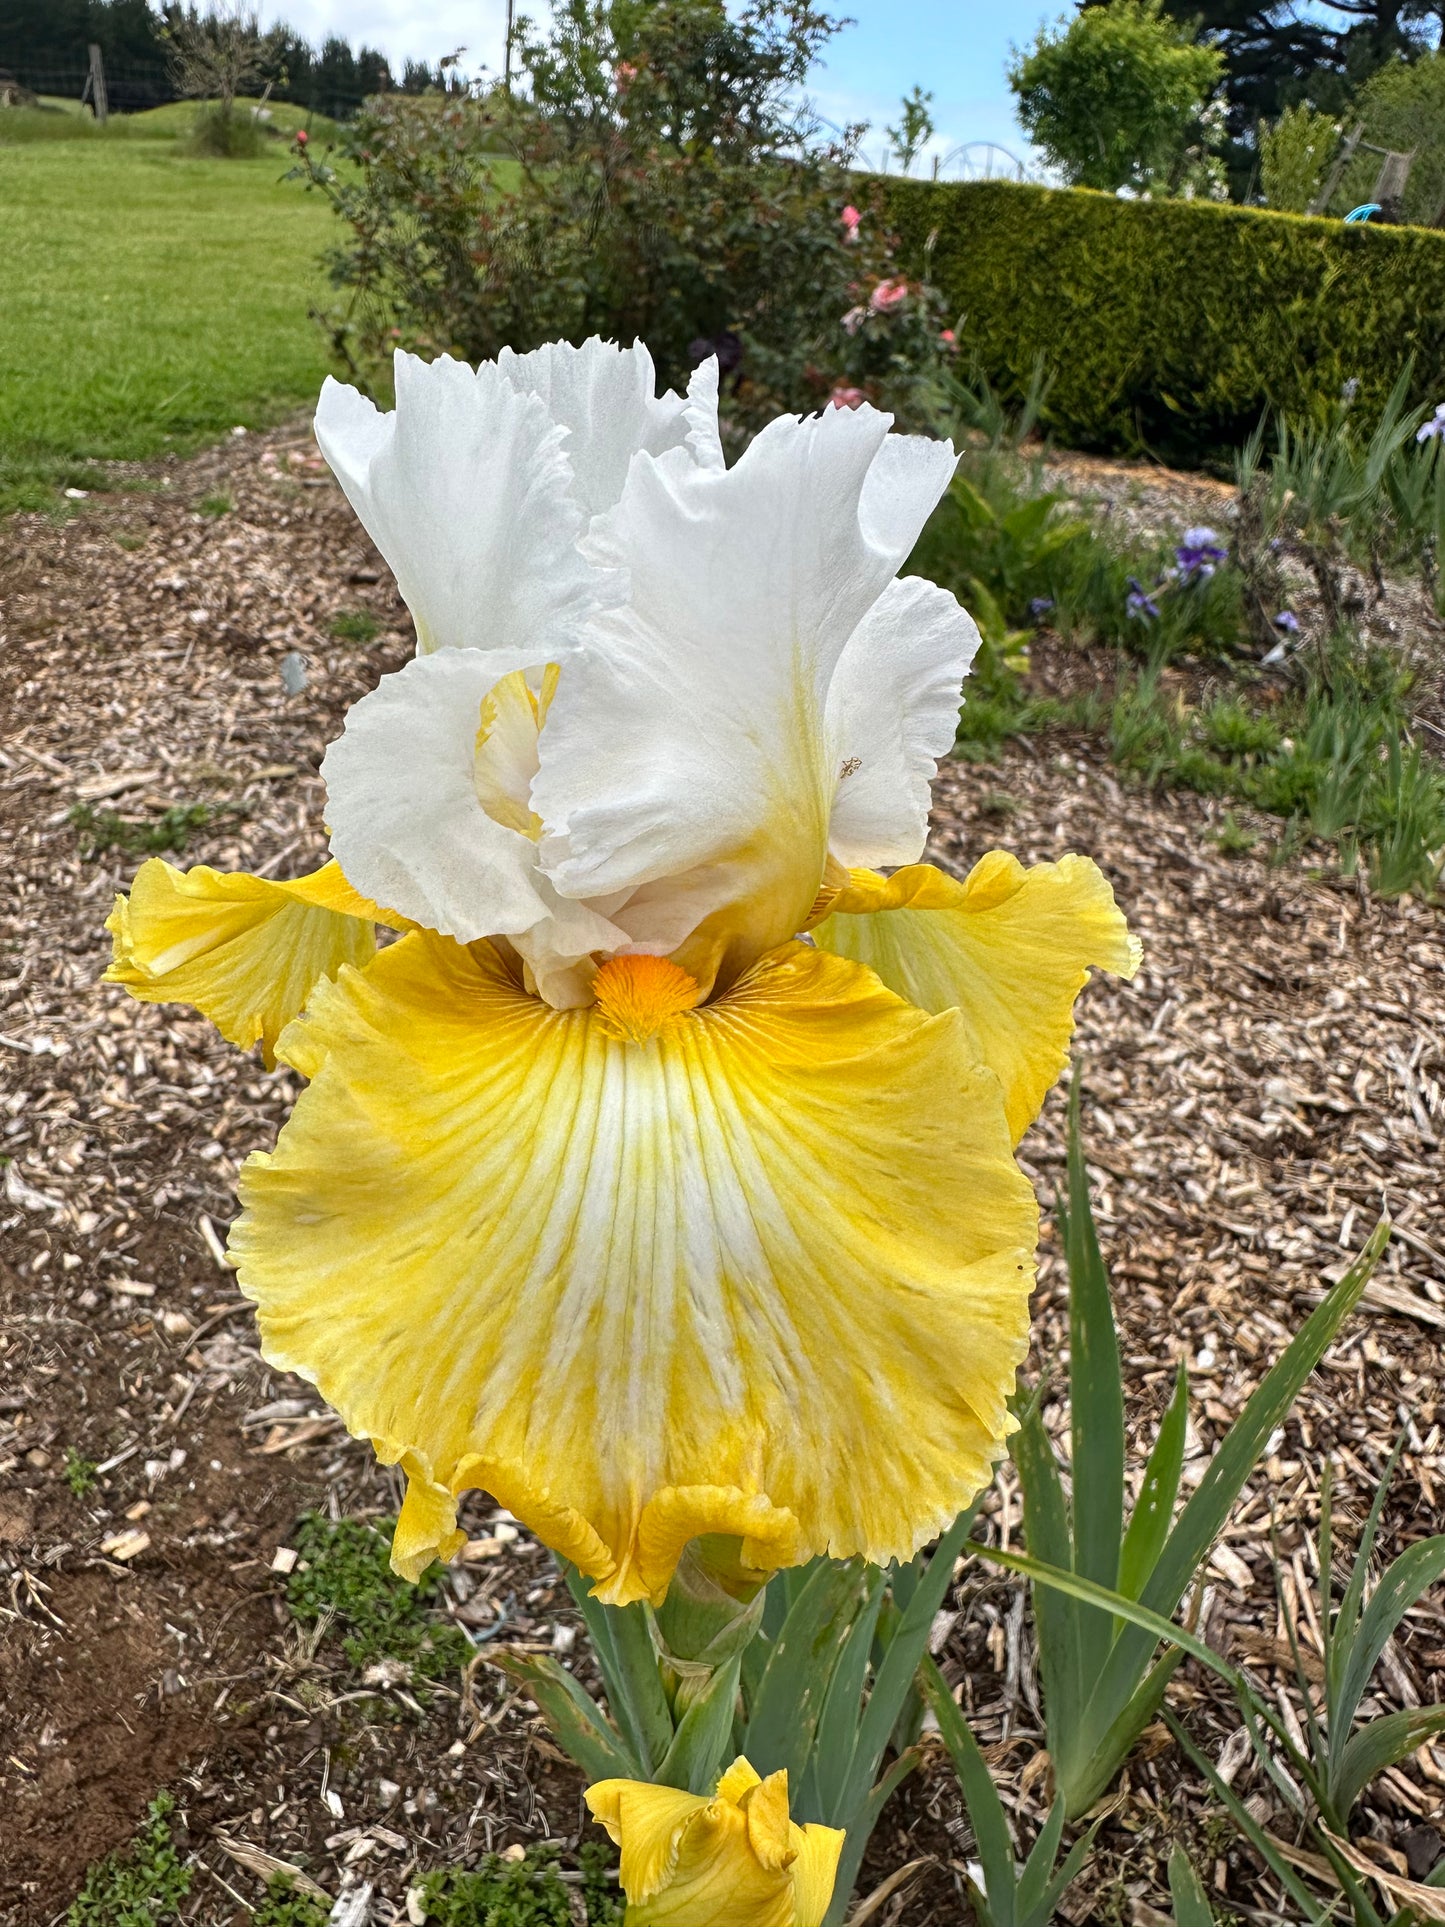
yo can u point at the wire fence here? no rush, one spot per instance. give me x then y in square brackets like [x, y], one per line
[134, 86]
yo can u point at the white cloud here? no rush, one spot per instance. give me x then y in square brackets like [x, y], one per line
[402, 31]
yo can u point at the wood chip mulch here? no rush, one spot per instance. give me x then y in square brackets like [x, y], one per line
[1272, 1082]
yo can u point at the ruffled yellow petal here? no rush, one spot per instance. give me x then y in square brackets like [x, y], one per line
[244, 951]
[717, 1877]
[815, 1872]
[764, 1275]
[647, 1823]
[735, 1860]
[1009, 948]
[770, 1834]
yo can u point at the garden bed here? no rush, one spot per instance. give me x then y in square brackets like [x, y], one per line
[1270, 1082]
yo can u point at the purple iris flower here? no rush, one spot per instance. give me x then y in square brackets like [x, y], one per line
[1288, 621]
[1428, 431]
[1040, 607]
[1199, 554]
[1139, 603]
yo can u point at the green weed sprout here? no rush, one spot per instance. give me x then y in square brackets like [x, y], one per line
[139, 1887]
[78, 1472]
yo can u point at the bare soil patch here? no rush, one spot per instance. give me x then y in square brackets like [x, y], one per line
[1270, 1083]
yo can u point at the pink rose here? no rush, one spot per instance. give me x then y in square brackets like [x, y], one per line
[888, 295]
[853, 320]
[949, 339]
[850, 218]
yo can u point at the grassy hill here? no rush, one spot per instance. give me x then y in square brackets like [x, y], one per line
[149, 300]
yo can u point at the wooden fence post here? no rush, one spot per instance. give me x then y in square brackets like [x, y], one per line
[95, 86]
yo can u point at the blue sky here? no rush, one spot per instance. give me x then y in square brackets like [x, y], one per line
[955, 48]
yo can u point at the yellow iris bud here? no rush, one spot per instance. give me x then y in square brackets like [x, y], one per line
[732, 1860]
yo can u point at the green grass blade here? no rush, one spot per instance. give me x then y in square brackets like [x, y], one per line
[1209, 1506]
[860, 1831]
[1096, 1399]
[1069, 1872]
[1046, 1531]
[980, 1795]
[1378, 1744]
[1191, 1905]
[1154, 1509]
[792, 1693]
[1250, 1828]
[1315, 1740]
[574, 1717]
[1401, 1586]
[1091, 1776]
[1043, 1857]
[1327, 1584]
[1091, 1594]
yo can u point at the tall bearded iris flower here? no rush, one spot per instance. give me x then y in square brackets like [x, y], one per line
[612, 1191]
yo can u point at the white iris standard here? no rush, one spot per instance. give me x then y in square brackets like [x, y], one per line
[637, 665]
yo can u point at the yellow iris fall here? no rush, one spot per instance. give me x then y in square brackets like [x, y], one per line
[647, 1270]
[733, 1859]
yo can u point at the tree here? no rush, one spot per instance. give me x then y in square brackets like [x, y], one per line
[1277, 52]
[219, 54]
[914, 130]
[1403, 107]
[1116, 97]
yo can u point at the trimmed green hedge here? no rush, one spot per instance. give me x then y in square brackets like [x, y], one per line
[1172, 325]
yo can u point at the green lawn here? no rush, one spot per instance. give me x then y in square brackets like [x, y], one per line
[148, 301]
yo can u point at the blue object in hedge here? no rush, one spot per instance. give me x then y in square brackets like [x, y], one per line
[1364, 212]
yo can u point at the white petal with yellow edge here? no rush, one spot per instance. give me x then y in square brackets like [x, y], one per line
[244, 951]
[1009, 948]
[427, 804]
[764, 1274]
[710, 685]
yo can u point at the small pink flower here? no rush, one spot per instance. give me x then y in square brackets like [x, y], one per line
[845, 397]
[624, 73]
[850, 218]
[853, 320]
[302, 137]
[887, 296]
[949, 339]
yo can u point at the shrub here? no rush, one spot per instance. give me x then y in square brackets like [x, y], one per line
[1175, 325]
[657, 181]
[1114, 95]
[1293, 156]
[221, 133]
